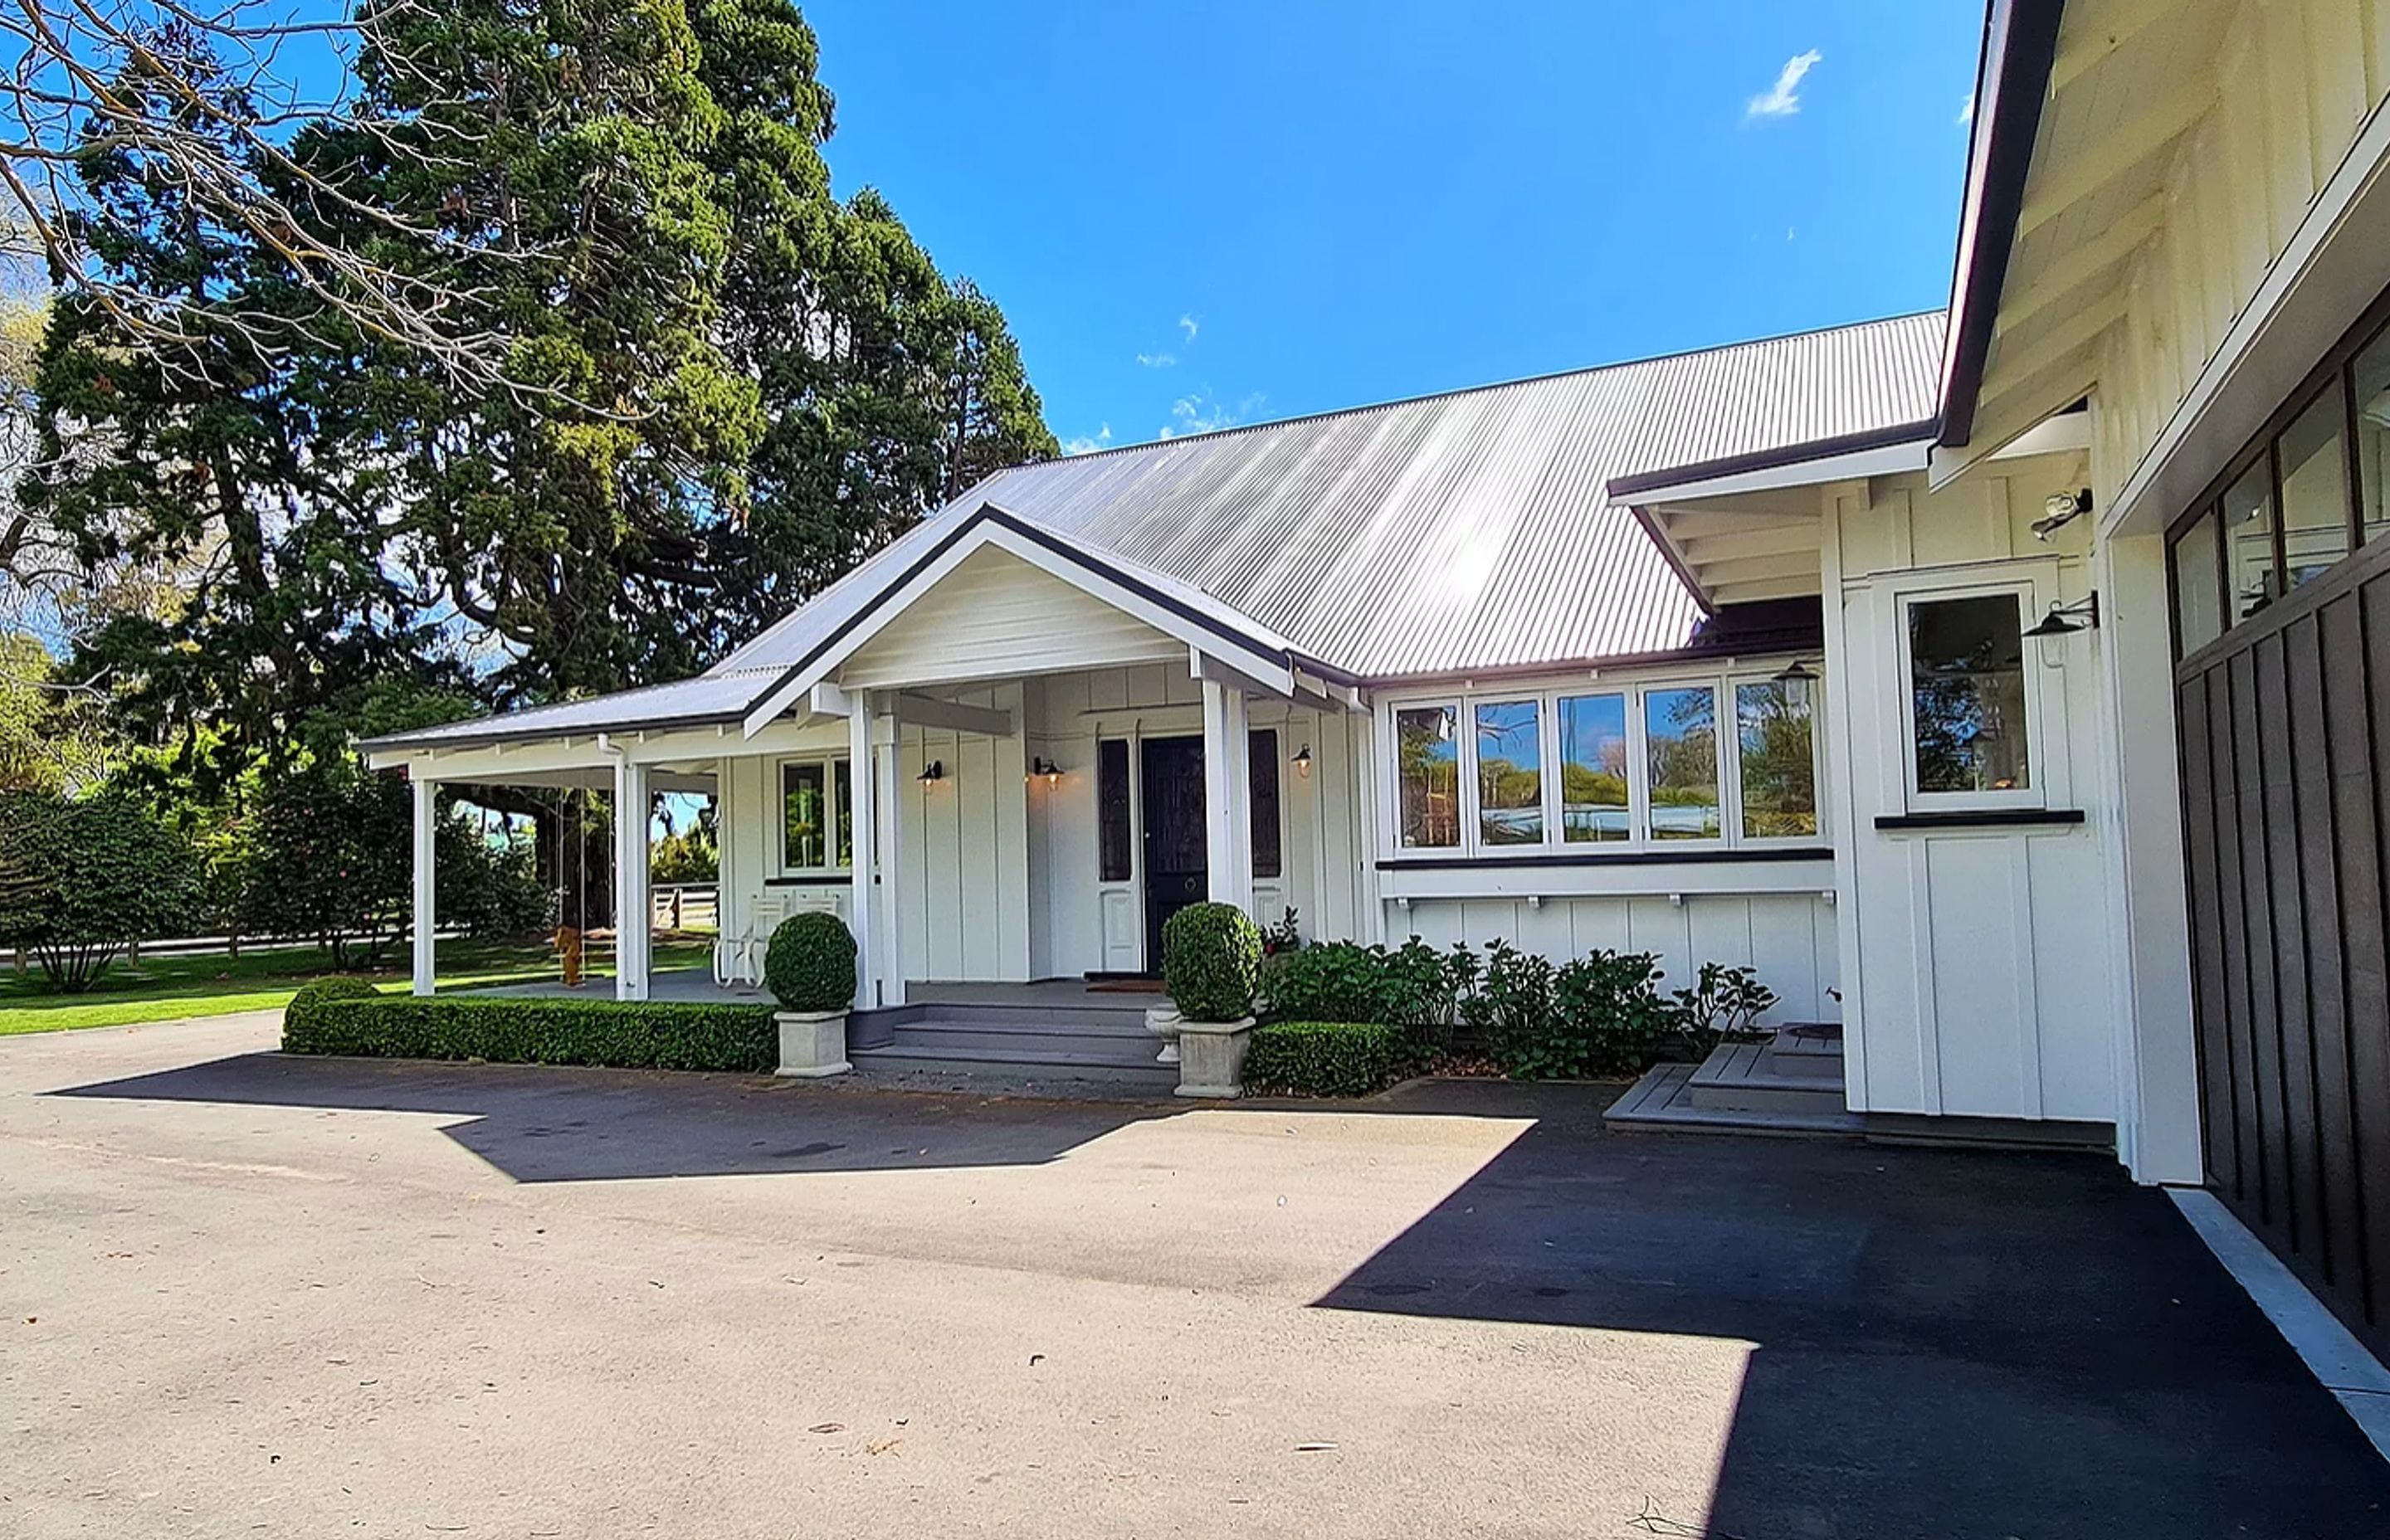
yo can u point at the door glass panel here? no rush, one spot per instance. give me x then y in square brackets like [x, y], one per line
[2315, 488]
[804, 818]
[1113, 857]
[1261, 789]
[1680, 738]
[1510, 774]
[1967, 691]
[841, 811]
[1430, 775]
[2198, 596]
[2249, 543]
[1779, 777]
[1593, 768]
[2372, 378]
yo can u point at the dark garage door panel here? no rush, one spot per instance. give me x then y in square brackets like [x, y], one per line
[2284, 732]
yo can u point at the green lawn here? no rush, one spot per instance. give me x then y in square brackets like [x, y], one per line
[166, 989]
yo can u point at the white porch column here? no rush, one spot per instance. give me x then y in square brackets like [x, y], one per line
[1227, 783]
[427, 824]
[890, 734]
[633, 919]
[862, 832]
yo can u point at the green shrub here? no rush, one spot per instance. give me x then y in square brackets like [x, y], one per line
[654, 1034]
[1415, 988]
[810, 963]
[321, 991]
[1323, 1059]
[1211, 961]
[1598, 1016]
[1723, 1003]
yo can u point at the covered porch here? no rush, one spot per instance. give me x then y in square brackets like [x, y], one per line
[1010, 766]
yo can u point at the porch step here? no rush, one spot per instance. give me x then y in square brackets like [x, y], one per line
[959, 1034]
[1033, 1064]
[1070, 1018]
[1751, 1077]
[1663, 1100]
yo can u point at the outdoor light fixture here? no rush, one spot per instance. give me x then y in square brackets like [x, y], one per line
[1041, 766]
[2060, 509]
[933, 772]
[1796, 678]
[2063, 621]
[1303, 761]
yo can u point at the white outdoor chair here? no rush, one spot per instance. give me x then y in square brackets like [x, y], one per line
[738, 958]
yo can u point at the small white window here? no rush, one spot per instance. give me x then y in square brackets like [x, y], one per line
[1680, 741]
[817, 812]
[1428, 776]
[1969, 716]
[1595, 761]
[1509, 772]
[1777, 762]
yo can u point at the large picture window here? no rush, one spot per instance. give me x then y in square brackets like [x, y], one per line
[1593, 753]
[1428, 775]
[815, 815]
[1680, 738]
[1509, 772]
[1967, 695]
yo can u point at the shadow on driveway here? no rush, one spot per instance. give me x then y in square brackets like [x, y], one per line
[1947, 1343]
[543, 1124]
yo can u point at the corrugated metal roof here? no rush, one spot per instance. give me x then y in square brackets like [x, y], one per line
[1448, 533]
[721, 696]
[1445, 534]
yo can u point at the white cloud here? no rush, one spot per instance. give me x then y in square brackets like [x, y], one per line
[1157, 360]
[1967, 110]
[1186, 324]
[1085, 445]
[1200, 413]
[1783, 99]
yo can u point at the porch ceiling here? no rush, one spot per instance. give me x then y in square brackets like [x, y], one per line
[1741, 549]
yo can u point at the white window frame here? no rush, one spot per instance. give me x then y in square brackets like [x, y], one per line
[1634, 686]
[829, 759]
[2038, 744]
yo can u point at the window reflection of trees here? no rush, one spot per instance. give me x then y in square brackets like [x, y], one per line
[1430, 777]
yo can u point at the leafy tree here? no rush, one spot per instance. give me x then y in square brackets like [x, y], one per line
[52, 737]
[80, 879]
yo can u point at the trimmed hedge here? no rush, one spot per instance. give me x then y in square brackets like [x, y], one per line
[1211, 962]
[648, 1035]
[809, 965]
[340, 986]
[1323, 1059]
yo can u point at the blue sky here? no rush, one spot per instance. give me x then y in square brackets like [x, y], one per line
[1252, 211]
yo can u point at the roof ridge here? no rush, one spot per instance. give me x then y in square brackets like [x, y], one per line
[1942, 311]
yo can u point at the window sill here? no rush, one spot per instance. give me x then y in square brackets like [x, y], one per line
[1703, 853]
[811, 880]
[1985, 817]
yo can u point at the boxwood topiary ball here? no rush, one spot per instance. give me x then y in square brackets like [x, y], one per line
[810, 963]
[1211, 962]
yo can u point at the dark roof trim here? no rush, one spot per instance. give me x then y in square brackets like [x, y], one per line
[1804, 636]
[1887, 437]
[2011, 83]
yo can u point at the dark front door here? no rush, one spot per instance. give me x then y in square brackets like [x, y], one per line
[1175, 870]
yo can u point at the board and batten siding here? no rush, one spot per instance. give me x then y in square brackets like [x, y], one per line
[1979, 953]
[2297, 82]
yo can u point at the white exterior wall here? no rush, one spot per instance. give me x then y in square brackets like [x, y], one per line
[1980, 953]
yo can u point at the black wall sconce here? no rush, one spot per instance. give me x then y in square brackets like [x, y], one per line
[1796, 677]
[933, 772]
[1303, 761]
[2063, 621]
[1042, 766]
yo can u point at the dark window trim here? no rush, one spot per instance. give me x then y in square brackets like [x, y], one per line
[1982, 818]
[1608, 858]
[827, 880]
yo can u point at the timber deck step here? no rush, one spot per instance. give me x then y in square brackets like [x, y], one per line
[1663, 1099]
[1753, 1077]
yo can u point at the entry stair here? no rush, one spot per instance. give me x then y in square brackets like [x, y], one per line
[1791, 1083]
[1046, 1044]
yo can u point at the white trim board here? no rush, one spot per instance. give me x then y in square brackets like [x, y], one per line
[2356, 1379]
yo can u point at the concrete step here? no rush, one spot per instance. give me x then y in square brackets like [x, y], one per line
[1747, 1077]
[1018, 1065]
[965, 1037]
[1072, 1017]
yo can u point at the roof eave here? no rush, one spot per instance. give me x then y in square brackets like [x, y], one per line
[2011, 83]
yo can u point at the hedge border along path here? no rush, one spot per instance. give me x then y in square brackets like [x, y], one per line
[615, 1034]
[1322, 1059]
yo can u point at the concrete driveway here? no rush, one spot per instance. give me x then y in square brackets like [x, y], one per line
[245, 1295]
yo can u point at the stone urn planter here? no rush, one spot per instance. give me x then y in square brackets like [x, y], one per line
[1210, 963]
[1162, 1021]
[1211, 1058]
[813, 1043]
[809, 967]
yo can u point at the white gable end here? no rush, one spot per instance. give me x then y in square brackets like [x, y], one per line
[996, 616]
